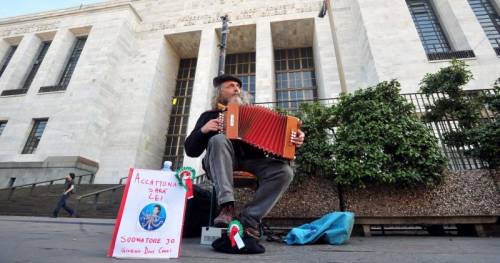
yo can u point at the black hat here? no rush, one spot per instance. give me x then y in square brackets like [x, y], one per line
[222, 78]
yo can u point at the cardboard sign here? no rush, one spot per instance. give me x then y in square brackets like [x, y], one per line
[149, 223]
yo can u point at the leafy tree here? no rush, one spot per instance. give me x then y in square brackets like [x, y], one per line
[479, 137]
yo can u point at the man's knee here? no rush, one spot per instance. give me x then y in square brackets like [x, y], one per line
[218, 140]
[286, 174]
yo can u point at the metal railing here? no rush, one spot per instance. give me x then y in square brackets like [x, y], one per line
[451, 55]
[456, 155]
[97, 194]
[122, 179]
[77, 179]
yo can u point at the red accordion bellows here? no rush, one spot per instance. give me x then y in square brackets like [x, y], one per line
[261, 127]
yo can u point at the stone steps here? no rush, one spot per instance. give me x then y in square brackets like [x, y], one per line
[42, 200]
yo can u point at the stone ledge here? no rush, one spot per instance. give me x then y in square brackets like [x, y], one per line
[55, 162]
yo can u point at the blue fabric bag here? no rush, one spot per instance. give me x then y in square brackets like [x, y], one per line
[333, 228]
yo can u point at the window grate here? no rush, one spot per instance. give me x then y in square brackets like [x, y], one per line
[295, 77]
[181, 102]
[72, 62]
[7, 59]
[489, 19]
[243, 66]
[35, 136]
[451, 55]
[2, 126]
[36, 65]
[429, 29]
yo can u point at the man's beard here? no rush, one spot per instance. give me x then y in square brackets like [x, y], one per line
[234, 99]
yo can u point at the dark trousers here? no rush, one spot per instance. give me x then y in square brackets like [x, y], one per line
[62, 204]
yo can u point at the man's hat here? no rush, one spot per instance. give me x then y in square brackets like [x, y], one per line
[222, 78]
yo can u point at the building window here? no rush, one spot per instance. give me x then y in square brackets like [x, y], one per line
[73, 60]
[489, 19]
[174, 148]
[32, 73]
[7, 58]
[243, 67]
[295, 77]
[36, 65]
[428, 26]
[35, 136]
[2, 126]
[69, 68]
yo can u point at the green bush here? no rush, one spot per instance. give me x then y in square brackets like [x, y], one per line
[316, 155]
[380, 140]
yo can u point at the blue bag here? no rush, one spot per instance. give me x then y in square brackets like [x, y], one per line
[333, 228]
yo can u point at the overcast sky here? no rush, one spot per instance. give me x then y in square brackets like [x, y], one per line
[22, 7]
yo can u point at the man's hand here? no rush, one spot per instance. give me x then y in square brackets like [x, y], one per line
[211, 125]
[298, 140]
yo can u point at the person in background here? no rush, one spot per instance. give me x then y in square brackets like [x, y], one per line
[68, 190]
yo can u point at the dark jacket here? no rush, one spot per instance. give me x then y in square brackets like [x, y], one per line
[197, 142]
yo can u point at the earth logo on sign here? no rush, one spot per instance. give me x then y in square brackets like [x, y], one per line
[152, 216]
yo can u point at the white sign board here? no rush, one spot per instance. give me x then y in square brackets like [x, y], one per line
[150, 220]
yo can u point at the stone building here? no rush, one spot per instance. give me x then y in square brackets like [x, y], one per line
[100, 88]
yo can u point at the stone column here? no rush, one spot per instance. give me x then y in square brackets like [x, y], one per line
[206, 70]
[20, 63]
[4, 48]
[327, 76]
[393, 42]
[55, 59]
[264, 63]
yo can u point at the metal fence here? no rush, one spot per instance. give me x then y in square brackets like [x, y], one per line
[457, 160]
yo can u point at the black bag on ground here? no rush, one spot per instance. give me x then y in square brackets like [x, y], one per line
[197, 212]
[252, 246]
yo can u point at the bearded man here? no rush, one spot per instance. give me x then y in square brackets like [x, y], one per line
[223, 156]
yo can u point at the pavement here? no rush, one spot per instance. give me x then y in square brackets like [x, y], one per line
[37, 239]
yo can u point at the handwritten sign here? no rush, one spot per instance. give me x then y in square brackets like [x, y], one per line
[149, 223]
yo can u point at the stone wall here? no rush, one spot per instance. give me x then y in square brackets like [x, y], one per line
[467, 193]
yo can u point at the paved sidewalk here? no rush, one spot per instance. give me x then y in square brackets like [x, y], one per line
[35, 239]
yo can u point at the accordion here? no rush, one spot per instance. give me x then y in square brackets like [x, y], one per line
[261, 127]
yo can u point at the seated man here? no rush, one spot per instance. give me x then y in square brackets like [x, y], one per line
[223, 156]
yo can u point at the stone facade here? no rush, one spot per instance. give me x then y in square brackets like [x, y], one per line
[115, 111]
